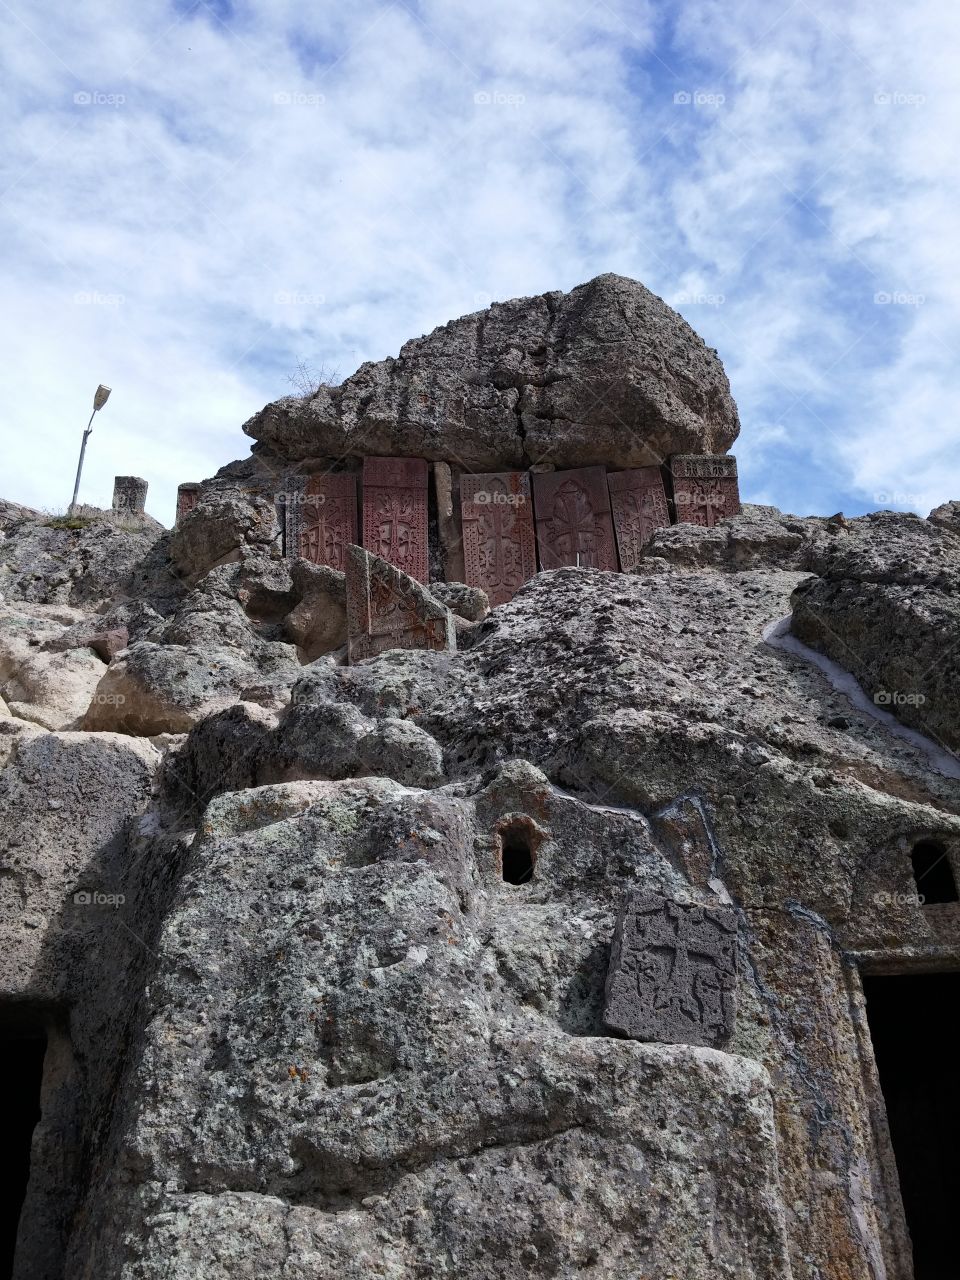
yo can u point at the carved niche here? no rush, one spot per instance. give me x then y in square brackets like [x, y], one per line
[499, 545]
[673, 972]
[395, 513]
[188, 495]
[573, 518]
[705, 487]
[638, 503]
[321, 518]
[387, 609]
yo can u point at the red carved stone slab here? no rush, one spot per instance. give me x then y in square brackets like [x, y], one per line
[638, 503]
[395, 513]
[321, 518]
[573, 518]
[387, 609]
[188, 495]
[705, 487]
[499, 545]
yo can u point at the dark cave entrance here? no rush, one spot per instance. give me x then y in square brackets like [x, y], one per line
[22, 1050]
[912, 1024]
[933, 873]
[516, 853]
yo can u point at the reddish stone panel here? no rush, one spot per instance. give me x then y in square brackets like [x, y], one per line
[387, 609]
[499, 545]
[188, 495]
[321, 518]
[573, 518]
[395, 513]
[638, 504]
[705, 487]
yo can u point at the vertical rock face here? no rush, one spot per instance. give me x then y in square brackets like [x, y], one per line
[538, 953]
[606, 373]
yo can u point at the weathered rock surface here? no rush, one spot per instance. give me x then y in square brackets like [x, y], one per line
[886, 606]
[606, 373]
[327, 956]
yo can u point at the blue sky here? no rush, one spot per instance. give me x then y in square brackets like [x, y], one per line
[196, 197]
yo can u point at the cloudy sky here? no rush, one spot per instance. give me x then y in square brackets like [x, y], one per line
[197, 197]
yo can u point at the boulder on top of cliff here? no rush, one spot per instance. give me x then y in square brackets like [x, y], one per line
[607, 373]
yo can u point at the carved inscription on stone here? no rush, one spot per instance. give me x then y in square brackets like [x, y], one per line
[673, 972]
[573, 519]
[395, 513]
[638, 503]
[188, 495]
[321, 518]
[387, 609]
[705, 487]
[499, 545]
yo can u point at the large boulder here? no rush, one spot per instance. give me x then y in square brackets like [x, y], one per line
[606, 373]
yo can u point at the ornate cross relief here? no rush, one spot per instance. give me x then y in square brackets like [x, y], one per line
[321, 518]
[573, 519]
[705, 487]
[387, 609]
[673, 972]
[639, 505]
[499, 545]
[395, 513]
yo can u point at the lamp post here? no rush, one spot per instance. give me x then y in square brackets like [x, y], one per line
[101, 396]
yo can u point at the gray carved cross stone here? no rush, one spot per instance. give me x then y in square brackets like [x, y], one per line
[673, 972]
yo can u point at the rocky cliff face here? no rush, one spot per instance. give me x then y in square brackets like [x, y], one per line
[321, 950]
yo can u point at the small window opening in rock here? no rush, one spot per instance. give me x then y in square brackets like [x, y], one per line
[911, 1026]
[933, 873]
[517, 855]
[21, 1071]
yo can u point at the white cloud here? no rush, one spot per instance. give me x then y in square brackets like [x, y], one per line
[324, 183]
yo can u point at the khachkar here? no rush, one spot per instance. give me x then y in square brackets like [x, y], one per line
[129, 495]
[188, 495]
[387, 609]
[395, 513]
[638, 504]
[705, 487]
[321, 517]
[673, 972]
[499, 545]
[573, 519]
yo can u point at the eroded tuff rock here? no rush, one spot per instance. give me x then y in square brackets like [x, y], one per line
[606, 373]
[321, 952]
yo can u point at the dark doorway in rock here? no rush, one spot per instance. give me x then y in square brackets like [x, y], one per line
[933, 873]
[517, 855]
[22, 1049]
[912, 1024]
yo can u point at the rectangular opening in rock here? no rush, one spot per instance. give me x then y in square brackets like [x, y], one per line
[912, 1021]
[22, 1049]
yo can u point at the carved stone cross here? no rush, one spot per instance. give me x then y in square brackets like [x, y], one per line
[499, 545]
[395, 513]
[573, 519]
[673, 972]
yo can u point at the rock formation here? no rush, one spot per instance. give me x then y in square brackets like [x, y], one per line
[540, 952]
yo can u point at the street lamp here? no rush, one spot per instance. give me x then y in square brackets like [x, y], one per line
[101, 396]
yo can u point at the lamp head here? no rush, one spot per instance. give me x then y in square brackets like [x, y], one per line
[101, 397]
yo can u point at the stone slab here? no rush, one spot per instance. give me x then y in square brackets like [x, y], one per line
[573, 521]
[129, 494]
[321, 518]
[500, 550]
[387, 609]
[673, 972]
[705, 487]
[638, 505]
[188, 495]
[395, 513]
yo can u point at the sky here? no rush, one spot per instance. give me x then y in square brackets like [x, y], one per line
[199, 199]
